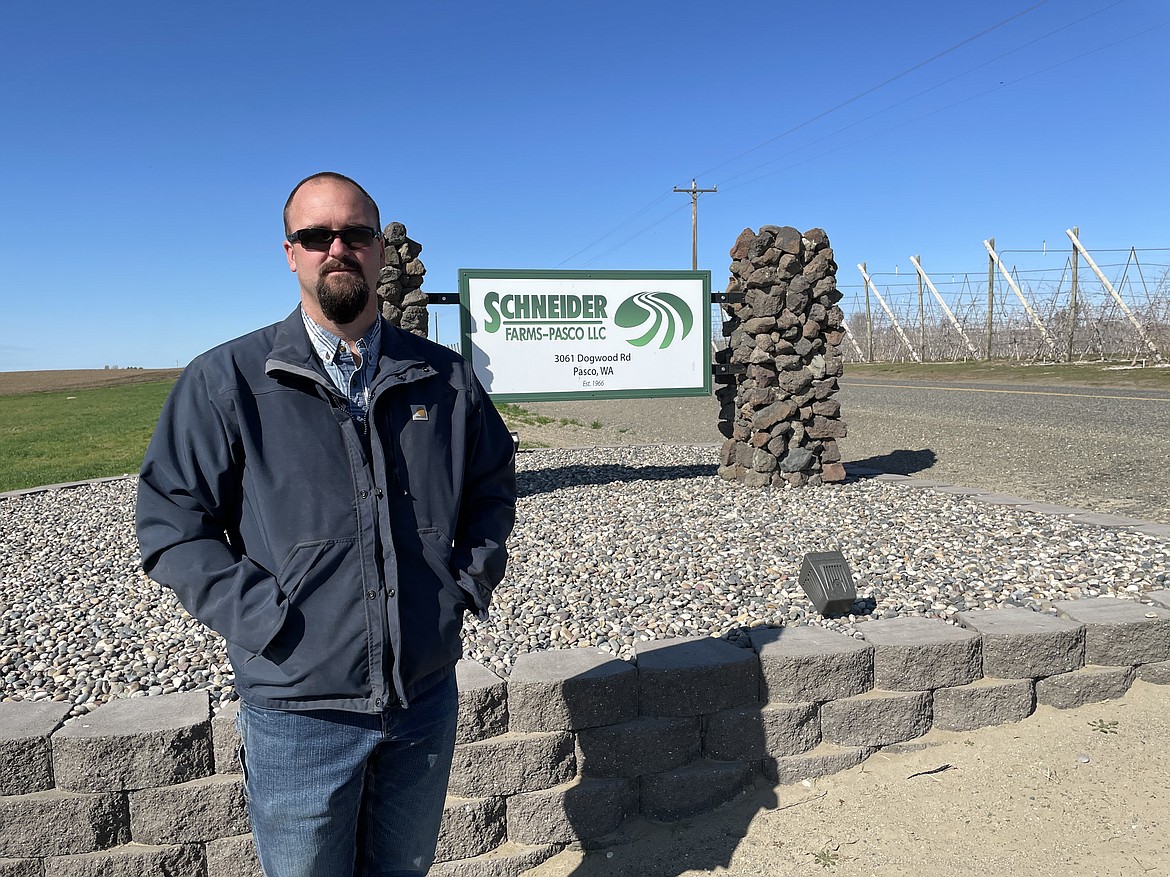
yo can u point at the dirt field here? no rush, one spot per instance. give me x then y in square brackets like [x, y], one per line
[14, 383]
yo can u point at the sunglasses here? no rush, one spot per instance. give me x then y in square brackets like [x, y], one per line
[355, 237]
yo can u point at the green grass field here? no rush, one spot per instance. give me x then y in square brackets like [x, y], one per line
[47, 438]
[74, 434]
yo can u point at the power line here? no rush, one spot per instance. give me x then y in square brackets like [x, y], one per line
[864, 93]
[925, 91]
[807, 122]
[874, 88]
[635, 235]
[620, 225]
[957, 103]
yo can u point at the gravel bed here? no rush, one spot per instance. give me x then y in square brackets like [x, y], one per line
[612, 546]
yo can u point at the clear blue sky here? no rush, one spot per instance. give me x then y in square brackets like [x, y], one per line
[147, 148]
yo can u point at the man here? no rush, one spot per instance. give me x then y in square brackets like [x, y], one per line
[330, 494]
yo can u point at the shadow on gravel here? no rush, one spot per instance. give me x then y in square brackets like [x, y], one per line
[534, 481]
[900, 462]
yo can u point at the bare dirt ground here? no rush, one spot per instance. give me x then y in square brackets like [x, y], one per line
[13, 383]
[1074, 793]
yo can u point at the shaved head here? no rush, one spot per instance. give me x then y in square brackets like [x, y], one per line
[329, 175]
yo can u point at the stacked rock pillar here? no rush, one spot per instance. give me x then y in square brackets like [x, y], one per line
[784, 327]
[400, 293]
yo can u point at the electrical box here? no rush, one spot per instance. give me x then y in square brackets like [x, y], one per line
[826, 578]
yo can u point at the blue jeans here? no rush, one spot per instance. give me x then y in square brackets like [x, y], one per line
[339, 794]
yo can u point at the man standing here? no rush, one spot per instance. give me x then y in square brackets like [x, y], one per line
[330, 494]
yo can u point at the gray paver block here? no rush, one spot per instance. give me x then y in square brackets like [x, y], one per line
[225, 739]
[691, 676]
[811, 664]
[1160, 597]
[21, 868]
[233, 857]
[983, 702]
[26, 763]
[876, 718]
[483, 702]
[59, 823]
[1104, 519]
[1120, 631]
[693, 789]
[921, 654]
[507, 860]
[1157, 673]
[1087, 685]
[750, 734]
[577, 810]
[909, 481]
[790, 728]
[1162, 531]
[1049, 508]
[136, 743]
[825, 759]
[470, 827]
[734, 735]
[957, 490]
[569, 689]
[195, 812]
[512, 763]
[131, 861]
[1000, 499]
[640, 746]
[1019, 643]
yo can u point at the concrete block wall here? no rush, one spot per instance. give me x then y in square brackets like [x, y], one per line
[575, 742]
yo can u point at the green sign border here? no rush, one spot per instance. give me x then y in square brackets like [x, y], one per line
[465, 343]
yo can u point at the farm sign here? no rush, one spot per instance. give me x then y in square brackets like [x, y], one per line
[599, 334]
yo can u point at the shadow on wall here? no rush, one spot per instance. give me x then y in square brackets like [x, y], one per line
[535, 481]
[899, 462]
[597, 748]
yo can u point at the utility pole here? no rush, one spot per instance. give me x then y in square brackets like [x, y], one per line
[1072, 299]
[921, 315]
[990, 296]
[695, 193]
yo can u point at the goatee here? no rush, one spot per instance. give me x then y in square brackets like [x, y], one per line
[342, 296]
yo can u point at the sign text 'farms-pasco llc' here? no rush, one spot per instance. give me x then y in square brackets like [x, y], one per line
[604, 334]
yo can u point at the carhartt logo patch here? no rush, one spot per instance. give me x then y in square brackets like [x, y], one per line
[418, 412]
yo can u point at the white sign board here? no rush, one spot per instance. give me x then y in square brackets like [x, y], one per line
[602, 334]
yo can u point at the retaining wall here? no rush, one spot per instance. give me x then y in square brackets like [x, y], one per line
[575, 741]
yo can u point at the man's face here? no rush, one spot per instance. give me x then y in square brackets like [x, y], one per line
[339, 282]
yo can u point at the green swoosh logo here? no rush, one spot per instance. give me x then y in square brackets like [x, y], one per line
[660, 313]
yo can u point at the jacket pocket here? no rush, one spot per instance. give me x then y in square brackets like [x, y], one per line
[437, 551]
[322, 650]
[297, 565]
[431, 608]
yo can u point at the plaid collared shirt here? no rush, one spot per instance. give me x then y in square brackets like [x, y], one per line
[351, 377]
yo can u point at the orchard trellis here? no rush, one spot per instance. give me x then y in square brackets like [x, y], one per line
[1114, 305]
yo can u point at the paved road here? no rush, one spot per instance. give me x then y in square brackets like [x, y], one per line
[1099, 448]
[1106, 449]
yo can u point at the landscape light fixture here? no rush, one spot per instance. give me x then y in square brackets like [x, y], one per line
[826, 578]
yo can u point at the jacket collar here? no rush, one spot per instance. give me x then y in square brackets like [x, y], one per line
[400, 361]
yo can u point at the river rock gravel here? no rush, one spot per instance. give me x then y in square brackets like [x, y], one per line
[612, 546]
